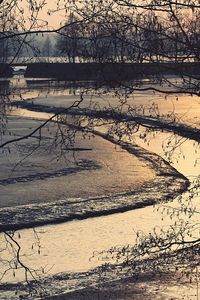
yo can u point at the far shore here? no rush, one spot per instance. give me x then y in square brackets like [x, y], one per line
[111, 72]
[108, 72]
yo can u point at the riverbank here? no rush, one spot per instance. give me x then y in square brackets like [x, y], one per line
[124, 177]
[148, 286]
[169, 281]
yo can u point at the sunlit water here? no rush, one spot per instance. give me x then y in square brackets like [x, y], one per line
[68, 247]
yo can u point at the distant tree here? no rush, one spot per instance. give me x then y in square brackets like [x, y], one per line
[47, 49]
[68, 40]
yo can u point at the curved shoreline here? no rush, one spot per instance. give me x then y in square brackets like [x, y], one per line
[149, 194]
[181, 129]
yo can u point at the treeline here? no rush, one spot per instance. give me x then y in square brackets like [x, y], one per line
[111, 36]
[129, 38]
[32, 45]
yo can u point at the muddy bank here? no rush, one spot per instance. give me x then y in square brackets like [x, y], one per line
[144, 286]
[167, 184]
[139, 192]
[109, 282]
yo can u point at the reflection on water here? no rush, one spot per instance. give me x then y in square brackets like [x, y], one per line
[183, 108]
[68, 247]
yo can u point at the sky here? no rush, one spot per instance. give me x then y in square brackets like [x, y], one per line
[54, 19]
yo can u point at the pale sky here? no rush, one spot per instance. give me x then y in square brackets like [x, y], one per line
[54, 20]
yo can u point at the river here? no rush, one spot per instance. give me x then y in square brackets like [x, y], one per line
[69, 247]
